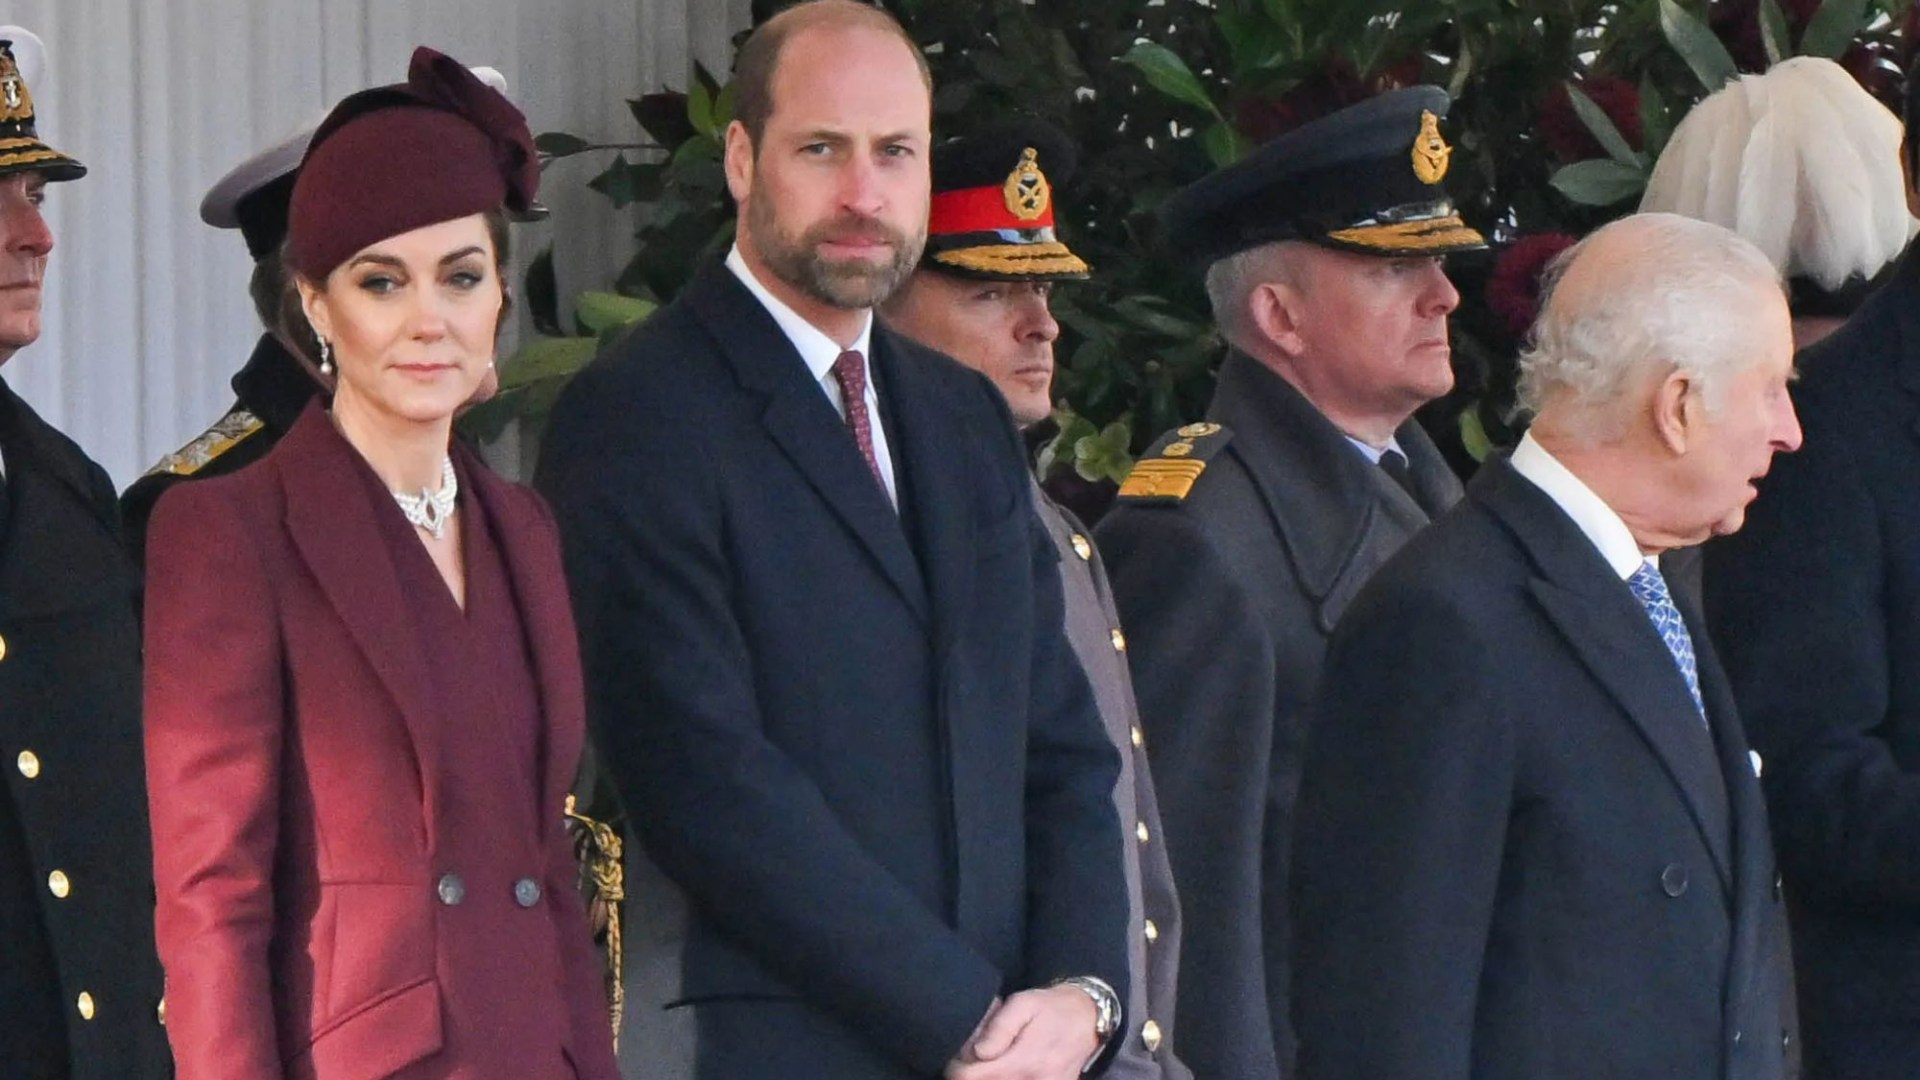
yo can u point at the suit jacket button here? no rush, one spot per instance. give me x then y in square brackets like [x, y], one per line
[58, 885]
[84, 1003]
[451, 889]
[526, 892]
[1673, 880]
[29, 764]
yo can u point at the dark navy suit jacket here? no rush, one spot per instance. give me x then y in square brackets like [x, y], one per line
[854, 742]
[1520, 853]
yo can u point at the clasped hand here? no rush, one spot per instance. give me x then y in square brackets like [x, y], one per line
[1046, 1034]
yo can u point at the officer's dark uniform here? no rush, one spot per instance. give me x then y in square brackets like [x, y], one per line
[1238, 541]
[992, 219]
[275, 385]
[80, 986]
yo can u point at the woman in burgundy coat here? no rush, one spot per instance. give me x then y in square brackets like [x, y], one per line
[363, 693]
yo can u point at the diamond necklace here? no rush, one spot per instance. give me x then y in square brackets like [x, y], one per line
[430, 510]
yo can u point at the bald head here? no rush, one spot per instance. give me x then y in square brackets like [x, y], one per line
[1638, 298]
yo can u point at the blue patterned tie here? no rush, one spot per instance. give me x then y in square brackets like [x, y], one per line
[1650, 588]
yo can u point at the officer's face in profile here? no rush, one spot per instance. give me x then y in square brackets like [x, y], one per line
[1002, 329]
[23, 260]
[1372, 330]
[835, 194]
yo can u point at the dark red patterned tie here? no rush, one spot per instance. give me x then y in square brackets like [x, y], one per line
[850, 370]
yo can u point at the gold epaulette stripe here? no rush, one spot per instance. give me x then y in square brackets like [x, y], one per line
[1162, 478]
[226, 433]
[1044, 258]
[1448, 231]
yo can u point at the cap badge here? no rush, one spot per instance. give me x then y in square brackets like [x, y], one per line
[13, 91]
[1027, 192]
[1430, 152]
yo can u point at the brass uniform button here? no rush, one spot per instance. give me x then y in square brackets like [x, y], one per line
[1119, 640]
[3, 648]
[1140, 830]
[1150, 1036]
[29, 763]
[161, 1012]
[1082, 548]
[58, 885]
[1153, 932]
[1139, 737]
[85, 1004]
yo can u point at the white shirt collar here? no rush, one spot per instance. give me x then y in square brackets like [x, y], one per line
[1594, 517]
[816, 348]
[1375, 453]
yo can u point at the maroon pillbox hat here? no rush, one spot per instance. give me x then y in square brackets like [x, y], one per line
[440, 146]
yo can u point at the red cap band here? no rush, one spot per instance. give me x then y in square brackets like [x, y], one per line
[981, 209]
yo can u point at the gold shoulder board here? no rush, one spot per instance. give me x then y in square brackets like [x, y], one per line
[226, 433]
[1165, 475]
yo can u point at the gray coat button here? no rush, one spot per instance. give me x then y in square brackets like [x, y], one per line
[1673, 880]
[451, 889]
[526, 892]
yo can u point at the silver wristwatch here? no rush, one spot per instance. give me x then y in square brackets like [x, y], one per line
[1106, 1009]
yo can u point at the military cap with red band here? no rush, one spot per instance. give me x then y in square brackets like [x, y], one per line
[442, 145]
[992, 214]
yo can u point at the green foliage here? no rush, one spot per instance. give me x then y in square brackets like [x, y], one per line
[1561, 108]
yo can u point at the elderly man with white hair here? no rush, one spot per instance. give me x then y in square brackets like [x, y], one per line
[1530, 838]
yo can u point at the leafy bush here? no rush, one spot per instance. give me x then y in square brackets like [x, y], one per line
[1561, 107]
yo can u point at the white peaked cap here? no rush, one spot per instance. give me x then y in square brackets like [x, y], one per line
[219, 207]
[1801, 161]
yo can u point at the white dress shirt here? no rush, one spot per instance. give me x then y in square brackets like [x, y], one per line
[819, 352]
[1373, 453]
[1595, 518]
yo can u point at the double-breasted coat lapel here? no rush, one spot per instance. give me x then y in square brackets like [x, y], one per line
[803, 423]
[1609, 631]
[41, 573]
[1752, 855]
[354, 568]
[1329, 507]
[546, 617]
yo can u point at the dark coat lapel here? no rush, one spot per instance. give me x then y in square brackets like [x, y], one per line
[539, 594]
[330, 520]
[1325, 501]
[1900, 325]
[925, 444]
[52, 563]
[1609, 631]
[803, 422]
[1752, 843]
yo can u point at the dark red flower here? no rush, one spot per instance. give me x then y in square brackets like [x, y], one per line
[1513, 288]
[1567, 135]
[1737, 23]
